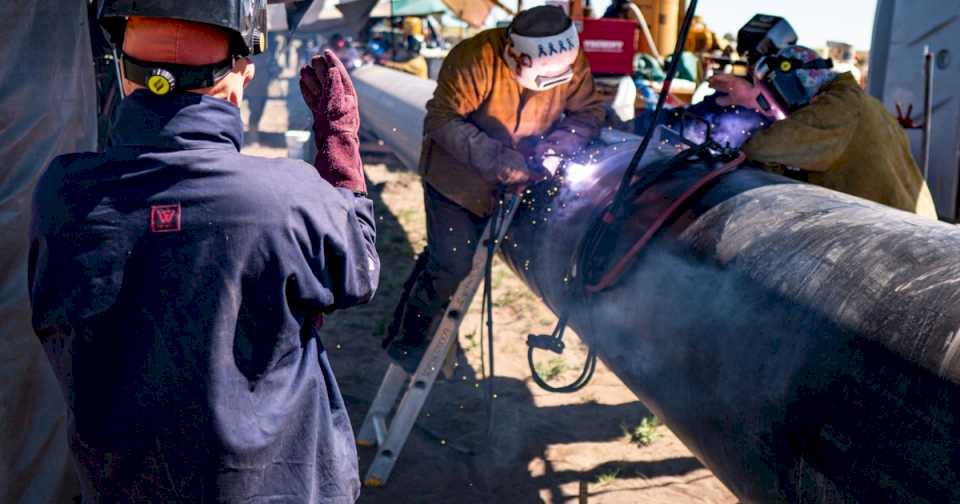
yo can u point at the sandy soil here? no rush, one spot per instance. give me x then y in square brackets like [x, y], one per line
[545, 447]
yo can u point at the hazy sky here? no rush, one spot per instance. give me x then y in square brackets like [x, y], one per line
[816, 21]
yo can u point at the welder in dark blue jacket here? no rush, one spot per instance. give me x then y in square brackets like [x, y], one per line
[178, 286]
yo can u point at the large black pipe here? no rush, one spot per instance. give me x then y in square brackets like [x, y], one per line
[801, 342]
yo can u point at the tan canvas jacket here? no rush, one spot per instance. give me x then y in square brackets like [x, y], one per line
[847, 141]
[415, 66]
[478, 110]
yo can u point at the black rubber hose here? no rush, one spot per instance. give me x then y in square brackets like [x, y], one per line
[589, 366]
[596, 231]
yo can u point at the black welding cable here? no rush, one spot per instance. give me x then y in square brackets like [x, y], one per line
[496, 225]
[658, 111]
[598, 229]
[589, 366]
[595, 233]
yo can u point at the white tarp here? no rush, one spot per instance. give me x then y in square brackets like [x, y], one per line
[47, 107]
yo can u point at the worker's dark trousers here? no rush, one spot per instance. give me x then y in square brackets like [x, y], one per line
[452, 235]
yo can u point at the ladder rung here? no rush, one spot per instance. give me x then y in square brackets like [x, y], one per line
[380, 428]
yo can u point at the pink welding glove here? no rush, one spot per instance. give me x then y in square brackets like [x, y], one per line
[739, 91]
[329, 93]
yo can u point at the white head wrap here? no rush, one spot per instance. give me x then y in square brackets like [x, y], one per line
[540, 63]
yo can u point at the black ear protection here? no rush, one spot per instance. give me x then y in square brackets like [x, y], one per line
[164, 78]
[780, 74]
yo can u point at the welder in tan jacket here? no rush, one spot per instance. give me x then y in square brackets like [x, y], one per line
[408, 59]
[829, 132]
[505, 99]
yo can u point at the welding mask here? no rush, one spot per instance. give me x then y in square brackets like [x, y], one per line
[245, 20]
[764, 35]
[790, 79]
[543, 62]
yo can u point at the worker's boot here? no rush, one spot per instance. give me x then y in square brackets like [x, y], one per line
[408, 333]
[416, 327]
[393, 330]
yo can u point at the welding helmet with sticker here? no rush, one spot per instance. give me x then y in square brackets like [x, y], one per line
[764, 35]
[542, 45]
[792, 77]
[244, 20]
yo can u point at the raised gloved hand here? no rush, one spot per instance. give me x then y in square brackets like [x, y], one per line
[329, 93]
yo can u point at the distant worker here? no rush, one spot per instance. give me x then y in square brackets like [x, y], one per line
[178, 286]
[702, 39]
[413, 27]
[346, 52]
[408, 59]
[835, 134]
[505, 99]
[258, 92]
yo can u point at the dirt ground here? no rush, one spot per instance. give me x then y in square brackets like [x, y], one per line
[545, 447]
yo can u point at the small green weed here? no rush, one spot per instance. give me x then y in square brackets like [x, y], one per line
[473, 342]
[507, 298]
[552, 368]
[645, 433]
[608, 477]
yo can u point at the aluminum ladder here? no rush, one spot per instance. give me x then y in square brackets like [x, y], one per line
[389, 438]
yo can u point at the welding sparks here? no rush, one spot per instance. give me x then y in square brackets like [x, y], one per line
[552, 163]
[578, 172]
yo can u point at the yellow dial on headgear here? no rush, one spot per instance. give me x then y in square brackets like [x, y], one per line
[161, 82]
[158, 85]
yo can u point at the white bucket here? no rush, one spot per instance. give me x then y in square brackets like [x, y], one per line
[298, 144]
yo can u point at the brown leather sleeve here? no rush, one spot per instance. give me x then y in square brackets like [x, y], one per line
[584, 110]
[463, 84]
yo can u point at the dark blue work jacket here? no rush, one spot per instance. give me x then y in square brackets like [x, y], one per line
[175, 286]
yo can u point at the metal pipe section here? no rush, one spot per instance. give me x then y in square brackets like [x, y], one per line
[392, 108]
[801, 342]
[927, 109]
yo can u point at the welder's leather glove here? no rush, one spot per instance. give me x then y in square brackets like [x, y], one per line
[329, 93]
[513, 168]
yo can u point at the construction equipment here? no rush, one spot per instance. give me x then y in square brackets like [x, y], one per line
[390, 438]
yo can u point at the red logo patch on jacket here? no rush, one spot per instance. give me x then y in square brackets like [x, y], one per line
[165, 218]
